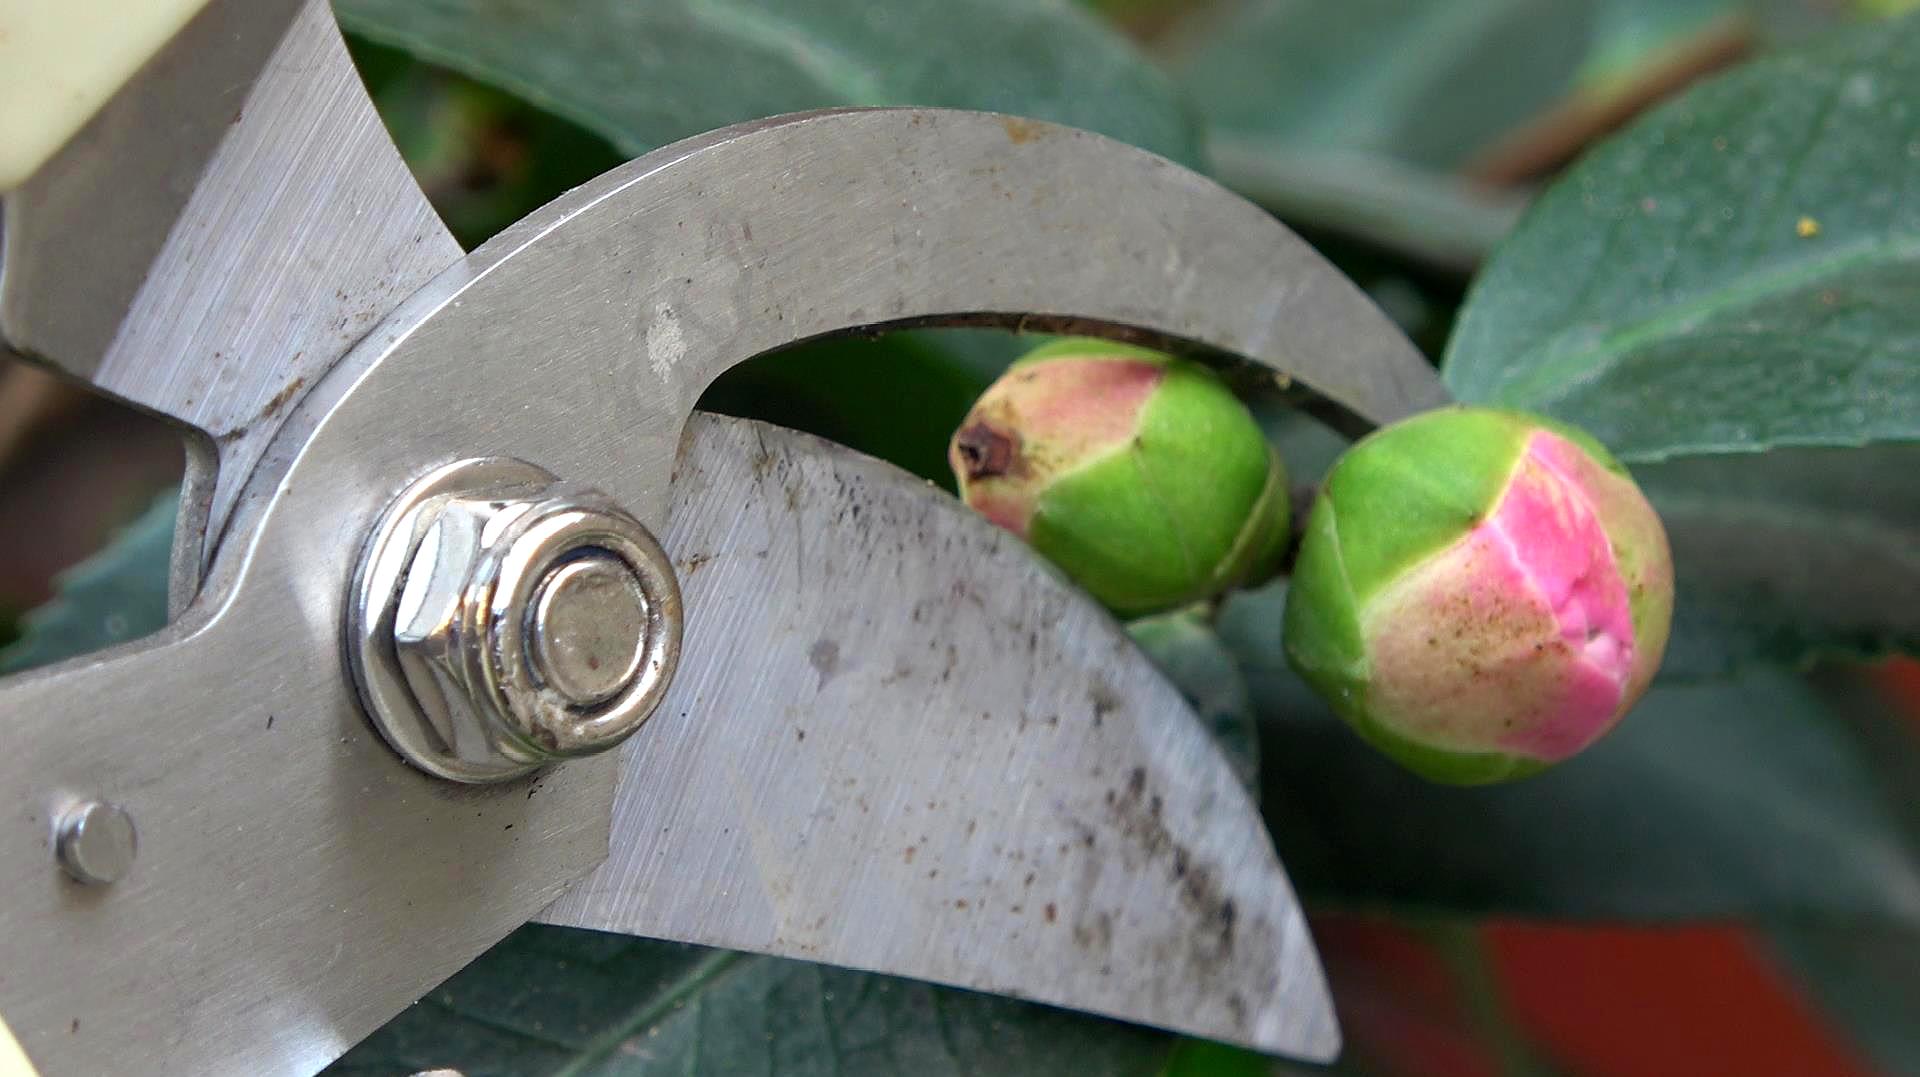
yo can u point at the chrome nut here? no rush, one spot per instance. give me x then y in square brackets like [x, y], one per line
[502, 619]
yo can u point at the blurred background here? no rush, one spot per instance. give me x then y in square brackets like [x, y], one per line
[1729, 885]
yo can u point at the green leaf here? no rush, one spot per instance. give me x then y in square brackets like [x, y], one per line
[1735, 272]
[898, 397]
[1424, 82]
[484, 158]
[1357, 115]
[644, 75]
[1761, 797]
[1865, 978]
[116, 595]
[1195, 660]
[1628, 35]
[1790, 555]
[564, 1001]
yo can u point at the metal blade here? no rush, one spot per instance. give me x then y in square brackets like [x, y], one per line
[899, 743]
[271, 226]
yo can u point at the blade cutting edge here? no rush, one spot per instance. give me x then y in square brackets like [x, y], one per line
[817, 786]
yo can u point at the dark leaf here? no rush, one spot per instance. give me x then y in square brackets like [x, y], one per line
[116, 595]
[1789, 555]
[644, 75]
[557, 1000]
[1424, 82]
[1733, 273]
[1361, 115]
[1866, 978]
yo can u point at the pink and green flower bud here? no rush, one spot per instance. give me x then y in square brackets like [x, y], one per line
[1140, 475]
[1480, 593]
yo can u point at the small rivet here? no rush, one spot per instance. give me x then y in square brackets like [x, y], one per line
[95, 841]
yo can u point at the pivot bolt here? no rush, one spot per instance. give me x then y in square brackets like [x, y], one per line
[589, 628]
[502, 619]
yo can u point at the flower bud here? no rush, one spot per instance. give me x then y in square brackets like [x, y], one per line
[1480, 593]
[1138, 474]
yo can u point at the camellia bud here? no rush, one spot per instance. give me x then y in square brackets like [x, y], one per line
[1140, 475]
[1480, 593]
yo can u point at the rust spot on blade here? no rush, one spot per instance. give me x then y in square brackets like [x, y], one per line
[1137, 813]
[1104, 701]
[280, 398]
[1225, 950]
[1021, 131]
[824, 656]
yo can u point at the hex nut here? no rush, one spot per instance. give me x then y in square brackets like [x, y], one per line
[501, 620]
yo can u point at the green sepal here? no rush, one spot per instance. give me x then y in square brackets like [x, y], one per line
[1162, 519]
[1398, 505]
[1321, 632]
[1091, 348]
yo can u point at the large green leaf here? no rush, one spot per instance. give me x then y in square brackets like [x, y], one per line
[642, 75]
[1355, 115]
[561, 1001]
[1761, 797]
[1425, 82]
[1790, 555]
[1866, 978]
[484, 157]
[1734, 272]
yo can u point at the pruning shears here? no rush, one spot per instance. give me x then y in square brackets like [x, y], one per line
[477, 621]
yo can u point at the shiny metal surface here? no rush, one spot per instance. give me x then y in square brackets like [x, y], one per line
[899, 742]
[743, 240]
[240, 203]
[297, 884]
[475, 588]
[588, 629]
[95, 841]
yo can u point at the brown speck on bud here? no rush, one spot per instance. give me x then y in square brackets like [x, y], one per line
[984, 451]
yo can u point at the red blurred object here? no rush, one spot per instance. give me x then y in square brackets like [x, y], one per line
[1900, 678]
[1581, 1001]
[1627, 1002]
[1400, 1006]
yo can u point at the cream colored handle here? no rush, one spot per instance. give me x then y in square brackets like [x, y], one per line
[60, 60]
[13, 1060]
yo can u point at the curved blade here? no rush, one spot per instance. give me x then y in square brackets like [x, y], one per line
[897, 742]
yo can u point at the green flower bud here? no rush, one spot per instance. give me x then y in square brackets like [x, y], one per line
[1140, 475]
[1480, 593]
